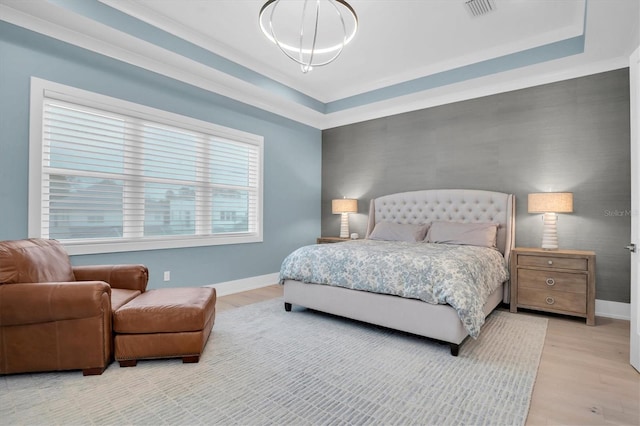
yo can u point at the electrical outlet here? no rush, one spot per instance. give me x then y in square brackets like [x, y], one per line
[167, 275]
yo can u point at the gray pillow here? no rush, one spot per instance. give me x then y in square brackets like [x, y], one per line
[389, 231]
[473, 234]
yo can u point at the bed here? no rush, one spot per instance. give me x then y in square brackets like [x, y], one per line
[429, 231]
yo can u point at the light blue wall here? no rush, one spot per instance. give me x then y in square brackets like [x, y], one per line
[292, 157]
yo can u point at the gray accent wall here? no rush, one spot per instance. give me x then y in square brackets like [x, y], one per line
[572, 136]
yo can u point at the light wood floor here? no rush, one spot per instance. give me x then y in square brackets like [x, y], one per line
[584, 376]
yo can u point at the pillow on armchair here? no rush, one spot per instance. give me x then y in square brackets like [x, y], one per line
[34, 261]
[38, 260]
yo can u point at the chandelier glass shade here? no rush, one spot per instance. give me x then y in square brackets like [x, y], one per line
[312, 33]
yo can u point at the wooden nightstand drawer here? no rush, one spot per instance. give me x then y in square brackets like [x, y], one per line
[552, 281]
[553, 262]
[559, 281]
[552, 300]
[329, 240]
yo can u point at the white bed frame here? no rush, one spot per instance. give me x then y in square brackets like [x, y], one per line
[440, 322]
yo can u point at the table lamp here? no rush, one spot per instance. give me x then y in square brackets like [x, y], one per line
[550, 203]
[344, 206]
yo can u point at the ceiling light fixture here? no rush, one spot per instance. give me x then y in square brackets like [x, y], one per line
[312, 33]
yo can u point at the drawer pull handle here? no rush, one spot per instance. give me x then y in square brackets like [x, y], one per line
[550, 262]
[550, 301]
[551, 282]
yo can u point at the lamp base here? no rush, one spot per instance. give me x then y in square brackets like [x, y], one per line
[344, 225]
[550, 231]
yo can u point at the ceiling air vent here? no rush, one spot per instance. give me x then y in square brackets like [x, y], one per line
[480, 7]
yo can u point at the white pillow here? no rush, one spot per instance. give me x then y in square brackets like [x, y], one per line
[389, 231]
[473, 234]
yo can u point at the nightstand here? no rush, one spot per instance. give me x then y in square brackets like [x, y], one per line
[560, 281]
[327, 240]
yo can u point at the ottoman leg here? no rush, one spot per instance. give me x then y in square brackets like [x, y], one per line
[190, 359]
[128, 362]
[92, 371]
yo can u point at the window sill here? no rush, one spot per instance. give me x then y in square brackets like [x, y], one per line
[84, 247]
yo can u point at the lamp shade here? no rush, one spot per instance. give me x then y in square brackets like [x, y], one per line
[550, 202]
[344, 205]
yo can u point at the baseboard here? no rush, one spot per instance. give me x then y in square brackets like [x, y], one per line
[245, 284]
[609, 309]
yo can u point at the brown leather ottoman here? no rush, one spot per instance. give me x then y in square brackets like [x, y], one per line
[164, 323]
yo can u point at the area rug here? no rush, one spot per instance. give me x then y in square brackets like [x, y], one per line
[265, 366]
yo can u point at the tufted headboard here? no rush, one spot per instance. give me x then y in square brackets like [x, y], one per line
[455, 205]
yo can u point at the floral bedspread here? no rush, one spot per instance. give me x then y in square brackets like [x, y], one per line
[459, 275]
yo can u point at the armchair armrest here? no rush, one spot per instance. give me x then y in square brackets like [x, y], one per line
[34, 303]
[129, 277]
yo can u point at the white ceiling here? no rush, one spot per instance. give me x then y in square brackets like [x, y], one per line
[397, 41]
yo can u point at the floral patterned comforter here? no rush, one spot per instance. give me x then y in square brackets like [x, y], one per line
[459, 275]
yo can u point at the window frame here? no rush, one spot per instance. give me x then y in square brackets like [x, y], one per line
[41, 89]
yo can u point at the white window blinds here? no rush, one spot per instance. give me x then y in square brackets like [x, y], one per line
[120, 176]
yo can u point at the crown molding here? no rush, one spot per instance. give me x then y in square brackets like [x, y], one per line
[475, 88]
[462, 61]
[58, 23]
[171, 26]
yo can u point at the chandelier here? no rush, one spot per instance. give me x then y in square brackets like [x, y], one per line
[312, 33]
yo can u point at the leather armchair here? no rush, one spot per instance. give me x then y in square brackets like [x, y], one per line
[54, 316]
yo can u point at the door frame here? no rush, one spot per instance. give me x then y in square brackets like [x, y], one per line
[634, 87]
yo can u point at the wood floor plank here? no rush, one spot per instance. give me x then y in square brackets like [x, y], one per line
[584, 376]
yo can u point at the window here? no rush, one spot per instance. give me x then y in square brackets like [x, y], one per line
[109, 175]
